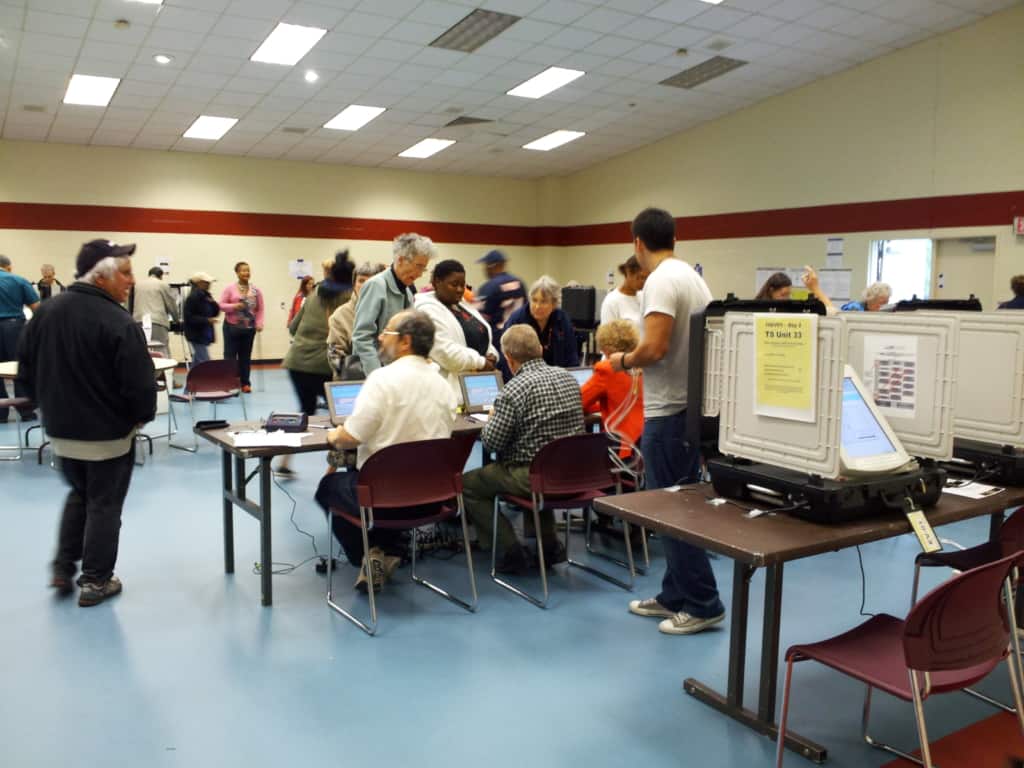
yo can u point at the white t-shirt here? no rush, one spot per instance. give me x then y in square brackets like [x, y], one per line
[619, 306]
[673, 289]
[405, 401]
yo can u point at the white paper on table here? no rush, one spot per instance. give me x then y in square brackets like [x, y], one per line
[973, 490]
[264, 439]
[480, 417]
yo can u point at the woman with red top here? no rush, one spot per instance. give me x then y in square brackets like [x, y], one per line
[617, 395]
[242, 304]
[305, 288]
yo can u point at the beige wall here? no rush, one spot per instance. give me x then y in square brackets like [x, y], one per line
[965, 271]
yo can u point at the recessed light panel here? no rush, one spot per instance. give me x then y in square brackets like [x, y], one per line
[163, 58]
[90, 90]
[551, 79]
[353, 117]
[426, 148]
[287, 44]
[311, 76]
[474, 30]
[552, 140]
[210, 128]
[701, 73]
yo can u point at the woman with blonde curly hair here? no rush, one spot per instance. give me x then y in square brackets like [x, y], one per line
[617, 395]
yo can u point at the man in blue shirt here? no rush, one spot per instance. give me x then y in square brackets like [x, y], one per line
[1017, 286]
[501, 295]
[16, 293]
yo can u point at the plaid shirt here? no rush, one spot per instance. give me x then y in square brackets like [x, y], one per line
[540, 403]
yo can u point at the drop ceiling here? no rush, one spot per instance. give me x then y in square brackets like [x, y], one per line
[376, 52]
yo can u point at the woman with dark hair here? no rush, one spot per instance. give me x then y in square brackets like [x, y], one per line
[624, 302]
[242, 304]
[305, 288]
[778, 287]
[306, 359]
[462, 338]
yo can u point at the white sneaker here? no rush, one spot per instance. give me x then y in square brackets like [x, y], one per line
[683, 623]
[650, 607]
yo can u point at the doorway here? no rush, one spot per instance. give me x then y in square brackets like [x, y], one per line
[906, 265]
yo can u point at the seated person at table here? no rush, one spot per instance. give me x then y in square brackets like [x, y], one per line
[539, 404]
[403, 401]
[551, 323]
[617, 395]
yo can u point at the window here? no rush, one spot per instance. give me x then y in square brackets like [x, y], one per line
[906, 265]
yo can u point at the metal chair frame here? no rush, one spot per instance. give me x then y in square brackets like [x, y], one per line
[190, 397]
[13, 404]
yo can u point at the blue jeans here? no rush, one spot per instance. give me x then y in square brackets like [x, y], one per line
[200, 352]
[689, 583]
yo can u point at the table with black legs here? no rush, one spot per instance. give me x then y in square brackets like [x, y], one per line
[769, 542]
[234, 481]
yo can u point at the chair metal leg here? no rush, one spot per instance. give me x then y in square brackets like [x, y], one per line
[780, 748]
[371, 628]
[922, 730]
[628, 586]
[587, 538]
[14, 450]
[917, 580]
[195, 440]
[878, 744]
[540, 603]
[469, 606]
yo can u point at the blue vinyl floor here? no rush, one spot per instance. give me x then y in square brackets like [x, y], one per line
[187, 669]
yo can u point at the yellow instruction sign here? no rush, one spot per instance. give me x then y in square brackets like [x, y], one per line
[785, 365]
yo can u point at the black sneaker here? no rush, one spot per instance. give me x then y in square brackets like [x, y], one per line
[95, 592]
[513, 562]
[284, 473]
[62, 582]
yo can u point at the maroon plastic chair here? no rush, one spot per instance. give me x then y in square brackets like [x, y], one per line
[954, 637]
[390, 482]
[214, 381]
[567, 473]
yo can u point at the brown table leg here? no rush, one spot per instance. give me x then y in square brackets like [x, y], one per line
[229, 513]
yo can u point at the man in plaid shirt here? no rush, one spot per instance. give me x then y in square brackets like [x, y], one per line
[539, 404]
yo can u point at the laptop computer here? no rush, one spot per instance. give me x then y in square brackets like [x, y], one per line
[581, 374]
[480, 389]
[341, 399]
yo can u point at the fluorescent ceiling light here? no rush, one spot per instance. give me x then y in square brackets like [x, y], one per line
[353, 117]
[551, 79]
[90, 90]
[158, 2]
[426, 148]
[287, 44]
[474, 30]
[311, 76]
[210, 128]
[163, 58]
[712, 2]
[552, 140]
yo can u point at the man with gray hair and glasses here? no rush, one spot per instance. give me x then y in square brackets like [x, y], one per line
[403, 401]
[386, 294]
[84, 360]
[16, 293]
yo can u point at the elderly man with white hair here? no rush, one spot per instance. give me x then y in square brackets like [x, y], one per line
[84, 360]
[875, 297]
[387, 294]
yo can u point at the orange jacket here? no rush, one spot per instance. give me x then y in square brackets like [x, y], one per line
[605, 391]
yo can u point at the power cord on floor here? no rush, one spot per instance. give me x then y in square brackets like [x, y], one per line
[284, 569]
[863, 585]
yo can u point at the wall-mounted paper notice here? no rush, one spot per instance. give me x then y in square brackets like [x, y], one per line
[785, 365]
[300, 268]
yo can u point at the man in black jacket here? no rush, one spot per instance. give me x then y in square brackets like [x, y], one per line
[85, 361]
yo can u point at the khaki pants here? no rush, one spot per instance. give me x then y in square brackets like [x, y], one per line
[479, 489]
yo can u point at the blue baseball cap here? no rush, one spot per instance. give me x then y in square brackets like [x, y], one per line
[492, 257]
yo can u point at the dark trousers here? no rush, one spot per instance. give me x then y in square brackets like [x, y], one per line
[90, 526]
[238, 346]
[308, 387]
[689, 583]
[10, 330]
[338, 490]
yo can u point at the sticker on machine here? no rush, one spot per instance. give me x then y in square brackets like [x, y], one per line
[890, 372]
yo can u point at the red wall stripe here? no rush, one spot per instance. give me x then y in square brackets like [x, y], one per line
[988, 209]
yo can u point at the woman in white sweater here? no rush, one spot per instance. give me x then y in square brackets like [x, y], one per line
[462, 338]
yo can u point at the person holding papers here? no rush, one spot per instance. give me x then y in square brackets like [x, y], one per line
[401, 402]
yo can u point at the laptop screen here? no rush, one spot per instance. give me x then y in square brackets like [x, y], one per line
[481, 389]
[862, 435]
[581, 375]
[342, 397]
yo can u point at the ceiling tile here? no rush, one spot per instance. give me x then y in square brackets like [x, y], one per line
[254, 29]
[434, 12]
[366, 24]
[560, 11]
[718, 18]
[259, 9]
[531, 30]
[55, 23]
[187, 19]
[678, 11]
[310, 14]
[643, 29]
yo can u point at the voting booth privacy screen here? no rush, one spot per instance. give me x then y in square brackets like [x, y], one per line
[908, 362]
[989, 400]
[812, 447]
[714, 347]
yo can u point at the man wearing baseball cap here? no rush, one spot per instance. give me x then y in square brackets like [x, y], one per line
[200, 315]
[501, 295]
[84, 360]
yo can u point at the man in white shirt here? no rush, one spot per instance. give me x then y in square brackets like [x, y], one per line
[624, 303]
[403, 401]
[689, 600]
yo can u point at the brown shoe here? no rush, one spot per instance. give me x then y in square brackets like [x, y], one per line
[62, 582]
[94, 593]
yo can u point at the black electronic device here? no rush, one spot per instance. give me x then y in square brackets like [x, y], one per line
[986, 462]
[970, 304]
[211, 424]
[826, 501]
[287, 422]
[580, 303]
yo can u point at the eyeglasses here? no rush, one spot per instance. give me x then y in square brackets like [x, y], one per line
[390, 333]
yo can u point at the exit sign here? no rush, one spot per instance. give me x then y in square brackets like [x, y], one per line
[1018, 225]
